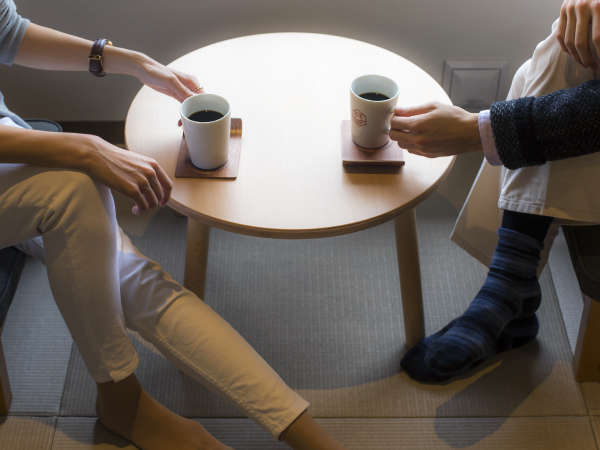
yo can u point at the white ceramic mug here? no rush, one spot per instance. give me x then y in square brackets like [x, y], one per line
[371, 118]
[207, 142]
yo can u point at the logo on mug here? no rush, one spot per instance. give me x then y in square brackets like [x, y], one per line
[359, 117]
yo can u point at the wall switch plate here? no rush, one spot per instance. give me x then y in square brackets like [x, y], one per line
[474, 85]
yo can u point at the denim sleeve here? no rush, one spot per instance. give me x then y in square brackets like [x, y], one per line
[12, 31]
[530, 131]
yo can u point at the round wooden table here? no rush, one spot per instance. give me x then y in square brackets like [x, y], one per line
[292, 92]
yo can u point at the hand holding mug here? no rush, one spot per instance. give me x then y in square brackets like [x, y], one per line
[166, 80]
[436, 129]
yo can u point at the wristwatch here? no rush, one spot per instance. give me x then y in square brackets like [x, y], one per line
[96, 67]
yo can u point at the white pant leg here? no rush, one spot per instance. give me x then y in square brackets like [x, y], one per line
[76, 219]
[200, 343]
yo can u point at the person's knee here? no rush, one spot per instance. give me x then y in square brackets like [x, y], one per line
[74, 197]
[81, 188]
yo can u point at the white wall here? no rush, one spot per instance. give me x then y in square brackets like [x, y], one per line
[425, 31]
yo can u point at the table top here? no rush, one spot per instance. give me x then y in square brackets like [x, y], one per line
[292, 92]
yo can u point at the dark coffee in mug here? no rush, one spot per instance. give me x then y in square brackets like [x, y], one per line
[206, 115]
[375, 96]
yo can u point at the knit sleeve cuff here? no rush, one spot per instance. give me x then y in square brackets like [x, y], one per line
[512, 131]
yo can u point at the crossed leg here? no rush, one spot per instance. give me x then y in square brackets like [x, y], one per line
[102, 284]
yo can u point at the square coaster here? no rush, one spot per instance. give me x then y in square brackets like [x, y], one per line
[390, 157]
[185, 168]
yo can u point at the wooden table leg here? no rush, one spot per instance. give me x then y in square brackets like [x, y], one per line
[407, 248]
[196, 256]
[5, 394]
[586, 360]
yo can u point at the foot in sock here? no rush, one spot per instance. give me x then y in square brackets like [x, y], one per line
[516, 334]
[511, 289]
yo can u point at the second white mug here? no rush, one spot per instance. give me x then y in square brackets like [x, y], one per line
[371, 114]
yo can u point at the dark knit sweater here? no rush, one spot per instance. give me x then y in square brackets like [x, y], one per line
[530, 131]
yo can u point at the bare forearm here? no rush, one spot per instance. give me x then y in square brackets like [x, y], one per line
[45, 48]
[46, 149]
[48, 49]
[135, 175]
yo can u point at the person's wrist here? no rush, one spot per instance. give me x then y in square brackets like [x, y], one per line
[118, 60]
[83, 150]
[472, 127]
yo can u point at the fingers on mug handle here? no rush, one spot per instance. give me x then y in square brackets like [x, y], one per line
[415, 110]
[189, 80]
[198, 90]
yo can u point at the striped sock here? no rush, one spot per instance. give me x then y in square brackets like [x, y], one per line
[473, 337]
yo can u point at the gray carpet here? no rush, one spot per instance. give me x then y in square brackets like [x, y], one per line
[37, 345]
[326, 314]
[566, 433]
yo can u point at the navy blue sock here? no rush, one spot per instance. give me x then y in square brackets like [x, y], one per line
[537, 227]
[529, 224]
[482, 329]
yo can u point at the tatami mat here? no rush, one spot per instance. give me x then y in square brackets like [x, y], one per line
[26, 433]
[596, 426]
[530, 433]
[591, 394]
[37, 345]
[327, 315]
[79, 433]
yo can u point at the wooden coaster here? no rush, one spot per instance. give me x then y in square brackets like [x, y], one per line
[388, 158]
[185, 168]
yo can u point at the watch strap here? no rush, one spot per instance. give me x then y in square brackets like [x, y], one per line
[96, 66]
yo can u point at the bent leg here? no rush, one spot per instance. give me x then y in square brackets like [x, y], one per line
[75, 217]
[202, 344]
[205, 347]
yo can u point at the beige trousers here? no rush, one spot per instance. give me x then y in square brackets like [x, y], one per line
[102, 284]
